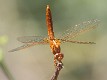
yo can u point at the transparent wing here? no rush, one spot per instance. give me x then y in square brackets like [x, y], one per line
[78, 42]
[26, 45]
[78, 29]
[31, 39]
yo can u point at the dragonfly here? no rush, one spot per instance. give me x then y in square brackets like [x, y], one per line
[67, 36]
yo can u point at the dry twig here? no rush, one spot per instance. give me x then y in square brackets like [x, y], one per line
[58, 68]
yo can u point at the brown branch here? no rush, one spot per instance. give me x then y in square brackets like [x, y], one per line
[58, 68]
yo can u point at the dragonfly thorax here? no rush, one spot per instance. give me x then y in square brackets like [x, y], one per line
[56, 42]
[55, 46]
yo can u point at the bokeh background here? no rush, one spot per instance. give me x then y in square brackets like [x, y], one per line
[27, 18]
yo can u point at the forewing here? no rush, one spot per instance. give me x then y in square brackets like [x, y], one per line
[80, 28]
[31, 39]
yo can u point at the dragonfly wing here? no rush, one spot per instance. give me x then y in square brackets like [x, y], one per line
[26, 45]
[31, 39]
[21, 47]
[80, 28]
[78, 42]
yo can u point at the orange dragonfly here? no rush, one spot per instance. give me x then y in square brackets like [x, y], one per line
[55, 42]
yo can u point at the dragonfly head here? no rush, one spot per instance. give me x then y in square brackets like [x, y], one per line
[59, 56]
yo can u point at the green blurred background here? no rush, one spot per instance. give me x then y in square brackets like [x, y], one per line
[27, 18]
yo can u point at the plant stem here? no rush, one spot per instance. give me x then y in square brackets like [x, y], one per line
[58, 68]
[6, 70]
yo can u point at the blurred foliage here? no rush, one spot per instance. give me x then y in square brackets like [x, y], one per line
[3, 40]
[1, 55]
[3, 65]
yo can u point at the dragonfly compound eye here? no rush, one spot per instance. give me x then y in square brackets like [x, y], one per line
[59, 56]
